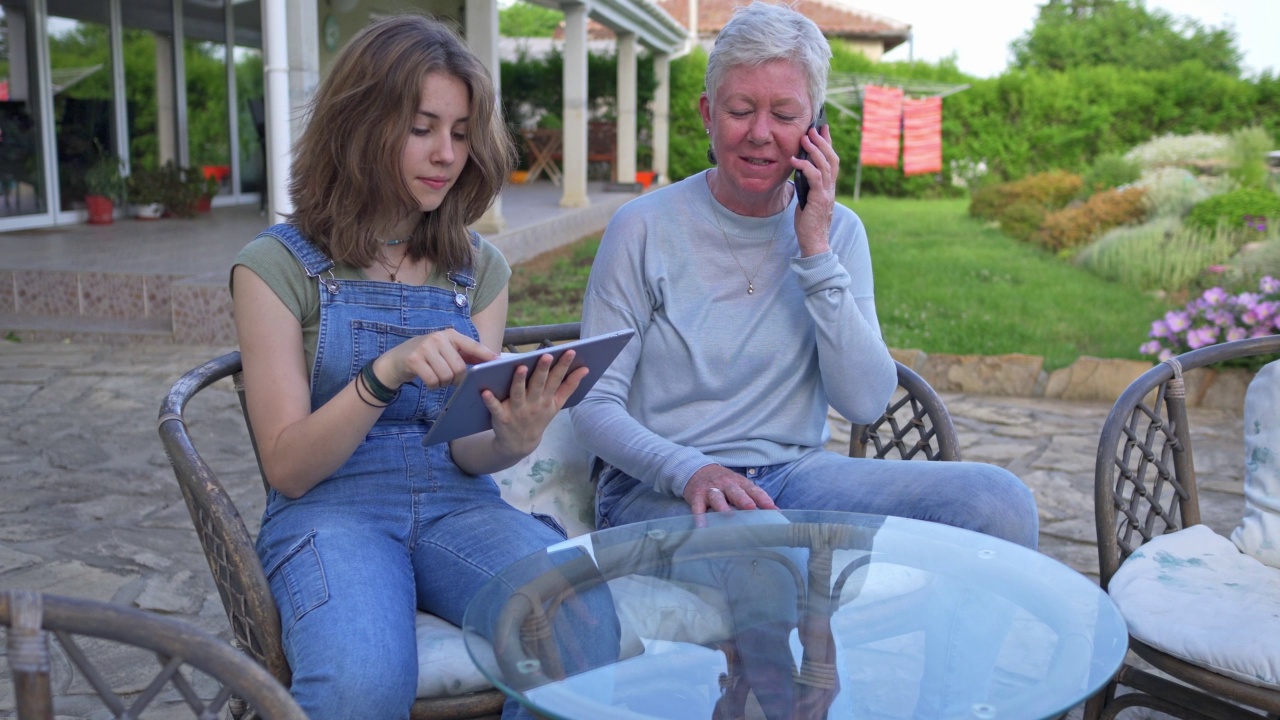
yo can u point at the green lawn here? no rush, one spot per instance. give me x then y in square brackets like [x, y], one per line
[944, 284]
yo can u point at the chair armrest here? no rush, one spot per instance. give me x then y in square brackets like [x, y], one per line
[916, 422]
[228, 547]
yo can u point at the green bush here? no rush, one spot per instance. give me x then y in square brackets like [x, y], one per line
[1160, 255]
[1246, 157]
[1022, 219]
[1232, 208]
[1108, 171]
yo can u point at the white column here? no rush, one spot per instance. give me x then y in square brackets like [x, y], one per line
[627, 72]
[304, 61]
[275, 56]
[574, 117]
[482, 36]
[166, 124]
[662, 119]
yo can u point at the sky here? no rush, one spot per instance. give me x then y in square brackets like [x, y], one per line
[979, 33]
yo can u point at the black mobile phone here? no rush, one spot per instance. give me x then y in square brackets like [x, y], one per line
[802, 184]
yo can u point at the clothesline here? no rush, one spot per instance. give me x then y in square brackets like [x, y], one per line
[841, 85]
[904, 116]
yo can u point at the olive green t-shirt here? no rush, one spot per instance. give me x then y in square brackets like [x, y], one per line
[280, 270]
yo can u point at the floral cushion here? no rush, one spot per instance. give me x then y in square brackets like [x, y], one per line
[554, 479]
[1259, 530]
[1194, 595]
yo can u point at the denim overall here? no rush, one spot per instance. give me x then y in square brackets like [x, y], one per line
[398, 527]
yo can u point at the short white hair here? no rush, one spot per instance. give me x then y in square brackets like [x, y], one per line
[763, 32]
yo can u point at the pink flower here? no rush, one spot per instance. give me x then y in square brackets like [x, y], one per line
[1236, 333]
[1216, 269]
[1159, 329]
[1165, 354]
[1150, 348]
[1269, 285]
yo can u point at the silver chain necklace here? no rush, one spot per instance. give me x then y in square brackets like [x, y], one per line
[751, 288]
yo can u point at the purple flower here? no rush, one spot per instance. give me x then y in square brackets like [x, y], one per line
[1215, 296]
[1201, 337]
[1177, 321]
[1216, 316]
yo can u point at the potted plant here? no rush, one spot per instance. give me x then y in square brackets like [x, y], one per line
[148, 190]
[203, 186]
[105, 185]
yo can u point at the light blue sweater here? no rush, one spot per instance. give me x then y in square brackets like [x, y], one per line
[715, 375]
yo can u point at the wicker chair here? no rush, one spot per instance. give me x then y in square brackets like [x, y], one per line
[174, 645]
[915, 426]
[1145, 487]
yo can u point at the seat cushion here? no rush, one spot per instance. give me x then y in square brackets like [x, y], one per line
[554, 479]
[647, 608]
[1195, 596]
[1259, 530]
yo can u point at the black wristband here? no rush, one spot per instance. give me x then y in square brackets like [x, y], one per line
[380, 392]
[360, 393]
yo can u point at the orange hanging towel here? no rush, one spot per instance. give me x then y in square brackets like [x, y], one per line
[881, 126]
[922, 136]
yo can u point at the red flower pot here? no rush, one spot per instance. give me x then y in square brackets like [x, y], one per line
[100, 208]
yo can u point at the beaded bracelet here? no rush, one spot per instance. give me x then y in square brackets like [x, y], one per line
[380, 392]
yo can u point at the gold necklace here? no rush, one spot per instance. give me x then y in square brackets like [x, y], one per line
[751, 288]
[388, 268]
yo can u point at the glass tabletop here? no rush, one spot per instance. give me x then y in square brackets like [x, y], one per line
[794, 614]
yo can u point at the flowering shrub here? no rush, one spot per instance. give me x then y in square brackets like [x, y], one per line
[1215, 317]
[1179, 150]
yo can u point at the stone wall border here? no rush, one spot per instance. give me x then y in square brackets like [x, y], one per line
[1087, 379]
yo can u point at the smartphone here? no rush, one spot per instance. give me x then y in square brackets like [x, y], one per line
[802, 184]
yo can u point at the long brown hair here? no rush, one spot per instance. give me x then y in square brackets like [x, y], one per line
[347, 187]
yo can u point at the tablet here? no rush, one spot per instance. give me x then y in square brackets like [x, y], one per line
[465, 413]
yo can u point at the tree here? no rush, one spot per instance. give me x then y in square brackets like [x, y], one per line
[522, 19]
[1071, 34]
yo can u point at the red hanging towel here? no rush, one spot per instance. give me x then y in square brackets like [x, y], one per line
[881, 126]
[922, 136]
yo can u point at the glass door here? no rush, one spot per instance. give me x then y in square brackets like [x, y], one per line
[83, 98]
[22, 167]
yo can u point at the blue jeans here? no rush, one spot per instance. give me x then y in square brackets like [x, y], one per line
[974, 496]
[348, 571]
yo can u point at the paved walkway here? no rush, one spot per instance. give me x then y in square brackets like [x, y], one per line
[90, 507]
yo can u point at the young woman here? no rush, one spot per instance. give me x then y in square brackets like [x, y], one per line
[354, 318]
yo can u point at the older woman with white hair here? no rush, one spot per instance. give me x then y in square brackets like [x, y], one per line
[753, 314]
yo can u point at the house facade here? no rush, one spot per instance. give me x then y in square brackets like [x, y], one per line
[219, 86]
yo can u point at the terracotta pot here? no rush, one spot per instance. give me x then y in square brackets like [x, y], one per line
[645, 178]
[101, 209]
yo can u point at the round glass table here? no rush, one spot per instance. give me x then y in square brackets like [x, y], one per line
[794, 614]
